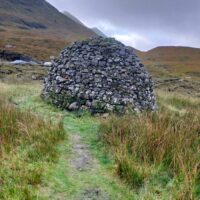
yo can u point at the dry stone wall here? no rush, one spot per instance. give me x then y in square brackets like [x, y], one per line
[101, 75]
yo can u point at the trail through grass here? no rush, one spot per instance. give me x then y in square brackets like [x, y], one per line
[87, 170]
[63, 180]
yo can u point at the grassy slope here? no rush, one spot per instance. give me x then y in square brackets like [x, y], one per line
[168, 63]
[17, 74]
[38, 43]
[177, 61]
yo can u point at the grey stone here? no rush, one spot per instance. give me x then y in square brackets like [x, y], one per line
[74, 106]
[34, 77]
[60, 79]
[100, 74]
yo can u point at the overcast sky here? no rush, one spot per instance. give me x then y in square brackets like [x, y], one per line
[143, 24]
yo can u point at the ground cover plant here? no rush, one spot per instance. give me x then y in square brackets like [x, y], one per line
[27, 148]
[60, 179]
[159, 150]
[156, 156]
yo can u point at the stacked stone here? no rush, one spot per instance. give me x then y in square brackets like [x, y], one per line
[101, 75]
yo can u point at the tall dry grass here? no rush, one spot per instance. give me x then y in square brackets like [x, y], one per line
[27, 148]
[152, 145]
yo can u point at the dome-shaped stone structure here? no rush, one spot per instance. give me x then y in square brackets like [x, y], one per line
[99, 74]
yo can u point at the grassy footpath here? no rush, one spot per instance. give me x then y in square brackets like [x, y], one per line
[61, 180]
[157, 155]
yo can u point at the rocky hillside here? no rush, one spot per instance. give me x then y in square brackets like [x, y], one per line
[32, 25]
[38, 14]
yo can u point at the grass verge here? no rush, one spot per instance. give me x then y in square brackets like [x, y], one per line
[61, 181]
[158, 152]
[27, 148]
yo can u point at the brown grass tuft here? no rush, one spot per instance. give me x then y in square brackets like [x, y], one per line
[153, 144]
[27, 147]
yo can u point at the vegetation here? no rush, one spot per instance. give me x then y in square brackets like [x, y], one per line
[38, 30]
[158, 152]
[21, 74]
[155, 154]
[28, 147]
[177, 61]
[60, 180]
[33, 43]
[146, 156]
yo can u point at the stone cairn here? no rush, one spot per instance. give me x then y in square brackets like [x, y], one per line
[101, 75]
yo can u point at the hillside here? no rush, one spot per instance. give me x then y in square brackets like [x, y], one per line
[37, 28]
[98, 32]
[72, 17]
[94, 29]
[175, 60]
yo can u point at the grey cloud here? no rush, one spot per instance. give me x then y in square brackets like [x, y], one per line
[149, 22]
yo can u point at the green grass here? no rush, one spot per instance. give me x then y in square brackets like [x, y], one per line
[155, 155]
[158, 152]
[28, 146]
[60, 180]
[178, 101]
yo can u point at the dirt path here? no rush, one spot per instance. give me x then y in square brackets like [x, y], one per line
[81, 160]
[82, 172]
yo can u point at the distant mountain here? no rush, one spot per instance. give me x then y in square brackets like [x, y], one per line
[32, 25]
[73, 17]
[98, 32]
